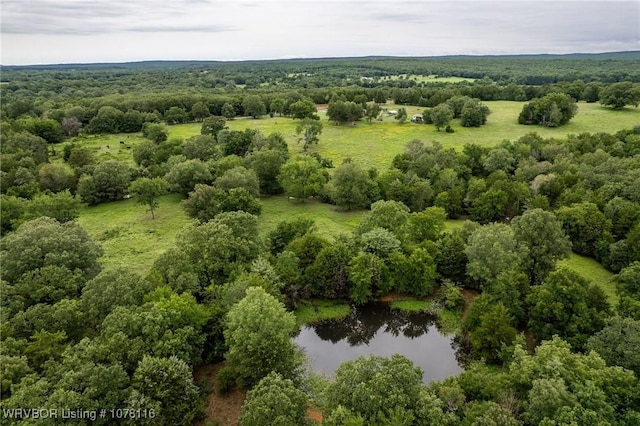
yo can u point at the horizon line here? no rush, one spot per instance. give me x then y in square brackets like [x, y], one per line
[302, 58]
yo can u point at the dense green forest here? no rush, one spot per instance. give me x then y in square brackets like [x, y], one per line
[481, 231]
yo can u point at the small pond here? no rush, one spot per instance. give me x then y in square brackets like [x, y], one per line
[376, 329]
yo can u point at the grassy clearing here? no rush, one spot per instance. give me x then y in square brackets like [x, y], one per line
[128, 235]
[594, 272]
[330, 221]
[411, 305]
[448, 321]
[132, 239]
[105, 147]
[375, 144]
[321, 309]
[428, 79]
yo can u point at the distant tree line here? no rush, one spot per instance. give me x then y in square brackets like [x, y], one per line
[53, 119]
[92, 80]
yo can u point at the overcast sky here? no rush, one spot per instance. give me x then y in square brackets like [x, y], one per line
[72, 31]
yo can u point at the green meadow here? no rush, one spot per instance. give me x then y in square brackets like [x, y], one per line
[105, 147]
[375, 144]
[129, 236]
[428, 79]
[330, 222]
[132, 239]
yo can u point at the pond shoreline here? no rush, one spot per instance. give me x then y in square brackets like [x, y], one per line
[379, 329]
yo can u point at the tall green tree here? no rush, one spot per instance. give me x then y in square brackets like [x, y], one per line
[266, 163]
[166, 384]
[228, 111]
[167, 325]
[585, 225]
[352, 187]
[541, 232]
[201, 147]
[206, 202]
[491, 250]
[44, 241]
[474, 113]
[107, 120]
[310, 129]
[303, 109]
[390, 215]
[112, 288]
[368, 277]
[213, 125]
[380, 242]
[147, 191]
[239, 177]
[375, 387]
[274, 400]
[618, 343]
[258, 333]
[286, 231]
[628, 288]
[372, 111]
[401, 116]
[155, 132]
[184, 176]
[276, 106]
[490, 206]
[427, 224]
[552, 110]
[199, 111]
[221, 246]
[48, 129]
[327, 276]
[62, 207]
[175, 115]
[564, 386]
[494, 331]
[54, 177]
[254, 106]
[109, 182]
[618, 95]
[441, 116]
[567, 305]
[340, 111]
[302, 177]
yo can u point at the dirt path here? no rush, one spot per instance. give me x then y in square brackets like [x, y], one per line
[226, 410]
[223, 411]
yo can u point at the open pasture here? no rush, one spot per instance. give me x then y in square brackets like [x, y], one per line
[105, 147]
[130, 238]
[330, 222]
[375, 144]
[428, 79]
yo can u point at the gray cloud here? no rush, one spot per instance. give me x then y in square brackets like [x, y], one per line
[40, 31]
[95, 17]
[399, 17]
[176, 29]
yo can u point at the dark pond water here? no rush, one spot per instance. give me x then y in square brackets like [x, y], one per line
[376, 329]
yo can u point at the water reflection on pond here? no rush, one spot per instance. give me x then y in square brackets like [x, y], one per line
[376, 329]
